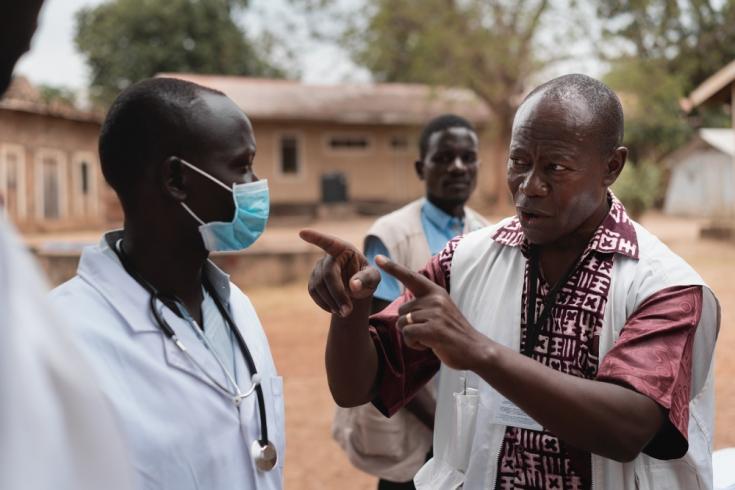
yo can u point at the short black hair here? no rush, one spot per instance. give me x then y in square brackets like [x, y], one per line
[440, 123]
[599, 98]
[146, 124]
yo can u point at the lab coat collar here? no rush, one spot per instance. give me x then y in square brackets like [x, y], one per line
[100, 268]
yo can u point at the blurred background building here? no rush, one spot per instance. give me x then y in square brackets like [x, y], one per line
[326, 144]
[702, 181]
[50, 178]
[716, 92]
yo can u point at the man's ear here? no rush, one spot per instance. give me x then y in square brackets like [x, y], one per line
[418, 165]
[173, 179]
[614, 165]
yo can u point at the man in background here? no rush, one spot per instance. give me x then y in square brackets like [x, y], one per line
[56, 429]
[394, 449]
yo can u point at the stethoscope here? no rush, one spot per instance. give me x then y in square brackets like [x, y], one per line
[262, 450]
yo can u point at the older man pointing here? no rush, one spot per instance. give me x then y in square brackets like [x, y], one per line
[574, 348]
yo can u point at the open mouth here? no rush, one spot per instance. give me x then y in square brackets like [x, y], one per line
[529, 217]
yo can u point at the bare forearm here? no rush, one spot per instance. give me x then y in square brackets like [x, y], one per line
[599, 417]
[351, 358]
[603, 418]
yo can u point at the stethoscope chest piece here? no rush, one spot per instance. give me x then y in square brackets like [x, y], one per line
[265, 457]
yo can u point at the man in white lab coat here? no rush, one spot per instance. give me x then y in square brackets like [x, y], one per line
[179, 349]
[56, 429]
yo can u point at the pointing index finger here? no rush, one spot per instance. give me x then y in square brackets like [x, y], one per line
[418, 284]
[330, 244]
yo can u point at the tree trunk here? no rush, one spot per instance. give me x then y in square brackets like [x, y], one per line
[492, 195]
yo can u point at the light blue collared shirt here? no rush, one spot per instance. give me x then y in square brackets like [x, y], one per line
[218, 333]
[439, 228]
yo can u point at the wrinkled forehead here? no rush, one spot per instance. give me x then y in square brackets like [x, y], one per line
[565, 119]
[453, 135]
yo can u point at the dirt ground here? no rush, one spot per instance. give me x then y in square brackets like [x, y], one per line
[297, 332]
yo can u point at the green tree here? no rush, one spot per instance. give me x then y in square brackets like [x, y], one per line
[691, 39]
[659, 51]
[128, 40]
[654, 124]
[52, 94]
[489, 46]
[639, 187]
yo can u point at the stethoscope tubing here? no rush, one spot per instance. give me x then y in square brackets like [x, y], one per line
[169, 333]
[238, 395]
[248, 359]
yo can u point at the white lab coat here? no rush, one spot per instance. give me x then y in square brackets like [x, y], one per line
[183, 433]
[56, 429]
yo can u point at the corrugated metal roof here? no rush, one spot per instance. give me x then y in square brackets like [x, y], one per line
[385, 103]
[721, 139]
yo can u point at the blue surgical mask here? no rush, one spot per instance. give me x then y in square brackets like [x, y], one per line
[252, 205]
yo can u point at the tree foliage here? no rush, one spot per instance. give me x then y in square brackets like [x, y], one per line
[128, 40]
[691, 39]
[654, 123]
[488, 46]
[659, 51]
[54, 94]
[639, 188]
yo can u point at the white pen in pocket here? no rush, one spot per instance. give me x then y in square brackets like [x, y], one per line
[463, 428]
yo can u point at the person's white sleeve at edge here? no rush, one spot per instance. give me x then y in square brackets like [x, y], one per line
[56, 430]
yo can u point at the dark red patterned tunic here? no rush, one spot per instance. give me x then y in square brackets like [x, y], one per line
[662, 329]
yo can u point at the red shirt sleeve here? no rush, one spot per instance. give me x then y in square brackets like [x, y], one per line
[404, 371]
[653, 356]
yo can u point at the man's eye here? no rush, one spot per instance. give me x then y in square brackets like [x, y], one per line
[444, 158]
[469, 158]
[557, 168]
[517, 164]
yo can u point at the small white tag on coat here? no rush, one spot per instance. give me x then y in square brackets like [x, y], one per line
[509, 414]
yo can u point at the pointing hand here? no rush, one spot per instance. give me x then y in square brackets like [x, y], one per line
[432, 320]
[342, 275]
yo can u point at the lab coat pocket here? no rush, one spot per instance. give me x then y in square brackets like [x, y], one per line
[278, 424]
[447, 471]
[463, 428]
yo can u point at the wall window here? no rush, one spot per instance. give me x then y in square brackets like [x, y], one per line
[51, 185]
[348, 142]
[51, 191]
[84, 177]
[84, 197]
[51, 188]
[12, 180]
[289, 155]
[399, 143]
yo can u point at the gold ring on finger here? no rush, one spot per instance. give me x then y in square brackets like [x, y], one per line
[409, 320]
